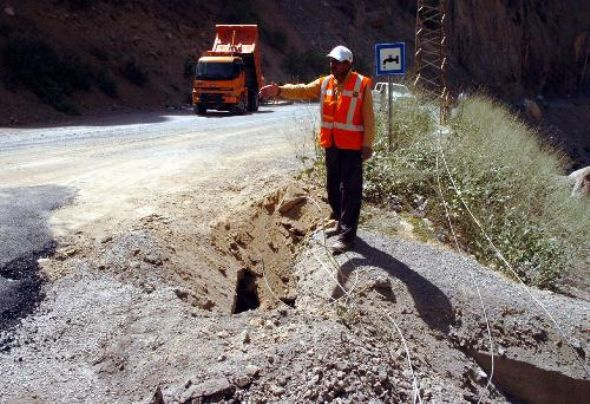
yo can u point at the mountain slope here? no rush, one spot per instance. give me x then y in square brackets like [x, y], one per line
[135, 54]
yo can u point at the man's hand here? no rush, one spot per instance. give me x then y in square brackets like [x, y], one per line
[366, 153]
[272, 90]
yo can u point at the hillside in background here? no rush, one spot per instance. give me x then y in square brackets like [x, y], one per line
[78, 56]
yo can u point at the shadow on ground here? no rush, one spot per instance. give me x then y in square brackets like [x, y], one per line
[431, 303]
[110, 119]
[25, 236]
[129, 118]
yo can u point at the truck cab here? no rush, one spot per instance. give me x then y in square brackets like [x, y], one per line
[220, 83]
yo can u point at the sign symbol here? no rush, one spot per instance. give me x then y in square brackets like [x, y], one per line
[391, 59]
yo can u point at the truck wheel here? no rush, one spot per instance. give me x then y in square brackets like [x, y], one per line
[200, 109]
[240, 107]
[252, 101]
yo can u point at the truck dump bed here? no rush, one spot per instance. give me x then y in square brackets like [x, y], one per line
[239, 40]
[235, 38]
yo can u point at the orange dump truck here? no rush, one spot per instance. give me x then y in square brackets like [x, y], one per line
[229, 75]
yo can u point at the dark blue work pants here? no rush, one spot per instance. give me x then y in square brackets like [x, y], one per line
[345, 188]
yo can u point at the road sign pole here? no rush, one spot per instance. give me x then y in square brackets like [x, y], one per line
[389, 112]
[390, 60]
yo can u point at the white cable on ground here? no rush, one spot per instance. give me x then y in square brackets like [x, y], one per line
[509, 266]
[458, 248]
[415, 384]
[327, 270]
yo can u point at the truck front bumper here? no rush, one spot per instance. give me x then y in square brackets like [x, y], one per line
[214, 100]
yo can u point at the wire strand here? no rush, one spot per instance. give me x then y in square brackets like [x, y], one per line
[474, 281]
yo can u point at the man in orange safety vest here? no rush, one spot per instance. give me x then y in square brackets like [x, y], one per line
[347, 131]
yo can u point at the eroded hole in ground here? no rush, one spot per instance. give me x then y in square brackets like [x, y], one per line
[524, 382]
[264, 238]
[246, 291]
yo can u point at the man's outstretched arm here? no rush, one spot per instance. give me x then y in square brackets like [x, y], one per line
[310, 91]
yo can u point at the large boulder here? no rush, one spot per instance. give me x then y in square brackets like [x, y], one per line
[532, 109]
[581, 181]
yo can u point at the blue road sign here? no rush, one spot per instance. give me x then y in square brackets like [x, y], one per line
[390, 59]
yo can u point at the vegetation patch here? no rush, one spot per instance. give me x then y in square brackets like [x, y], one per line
[239, 12]
[135, 73]
[5, 29]
[275, 38]
[491, 166]
[189, 67]
[82, 4]
[305, 66]
[106, 83]
[421, 229]
[35, 65]
[100, 54]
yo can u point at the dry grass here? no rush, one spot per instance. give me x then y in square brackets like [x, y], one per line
[502, 172]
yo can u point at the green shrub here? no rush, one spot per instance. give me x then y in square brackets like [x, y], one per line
[52, 93]
[274, 38]
[135, 74]
[74, 74]
[106, 83]
[505, 177]
[239, 12]
[348, 8]
[305, 66]
[33, 64]
[26, 59]
[190, 67]
[5, 30]
[82, 4]
[99, 53]
[362, 66]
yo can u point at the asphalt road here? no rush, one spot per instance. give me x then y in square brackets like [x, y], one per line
[95, 174]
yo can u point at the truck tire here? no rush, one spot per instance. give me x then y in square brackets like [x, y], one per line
[200, 109]
[252, 101]
[241, 107]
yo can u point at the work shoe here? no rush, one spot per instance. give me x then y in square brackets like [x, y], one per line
[333, 230]
[341, 246]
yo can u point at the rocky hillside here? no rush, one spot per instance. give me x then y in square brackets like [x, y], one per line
[80, 56]
[521, 48]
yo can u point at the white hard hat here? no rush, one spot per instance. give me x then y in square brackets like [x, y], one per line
[341, 53]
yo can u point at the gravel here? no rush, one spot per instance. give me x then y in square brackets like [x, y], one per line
[98, 338]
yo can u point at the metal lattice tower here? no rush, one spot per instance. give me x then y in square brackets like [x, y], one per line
[430, 60]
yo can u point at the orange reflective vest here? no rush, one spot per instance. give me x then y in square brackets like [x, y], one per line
[341, 118]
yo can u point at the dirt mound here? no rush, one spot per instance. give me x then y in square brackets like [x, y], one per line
[222, 267]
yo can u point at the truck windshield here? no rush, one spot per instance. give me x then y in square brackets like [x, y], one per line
[217, 70]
